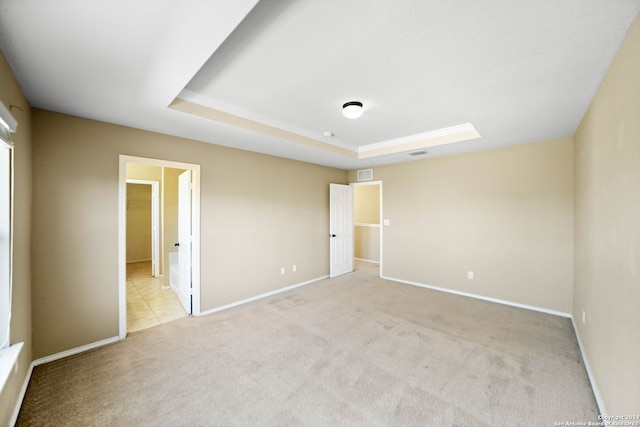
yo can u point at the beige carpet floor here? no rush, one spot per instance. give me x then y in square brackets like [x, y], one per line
[355, 350]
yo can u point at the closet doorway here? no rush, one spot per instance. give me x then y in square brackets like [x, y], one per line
[368, 235]
[143, 223]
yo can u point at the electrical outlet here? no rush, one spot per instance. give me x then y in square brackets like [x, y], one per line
[584, 317]
[470, 275]
[281, 270]
[294, 268]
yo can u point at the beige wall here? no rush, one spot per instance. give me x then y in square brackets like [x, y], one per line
[505, 214]
[607, 244]
[258, 213]
[138, 222]
[367, 243]
[170, 214]
[145, 172]
[11, 95]
[367, 211]
[366, 200]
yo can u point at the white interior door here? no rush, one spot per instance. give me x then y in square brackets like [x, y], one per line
[184, 240]
[341, 229]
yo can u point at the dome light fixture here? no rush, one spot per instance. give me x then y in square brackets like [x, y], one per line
[352, 109]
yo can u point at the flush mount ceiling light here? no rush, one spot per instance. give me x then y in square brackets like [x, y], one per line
[352, 110]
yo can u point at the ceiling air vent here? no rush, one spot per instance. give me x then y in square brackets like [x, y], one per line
[365, 175]
[418, 153]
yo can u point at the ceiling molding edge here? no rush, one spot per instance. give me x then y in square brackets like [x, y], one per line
[195, 104]
[199, 110]
[196, 98]
[449, 135]
[432, 134]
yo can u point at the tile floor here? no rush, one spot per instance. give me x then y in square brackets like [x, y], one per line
[148, 304]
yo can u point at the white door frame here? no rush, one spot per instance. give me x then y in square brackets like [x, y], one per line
[356, 184]
[155, 222]
[122, 232]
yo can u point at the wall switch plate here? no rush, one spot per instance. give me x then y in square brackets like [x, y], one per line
[470, 275]
[584, 317]
[294, 268]
[386, 222]
[281, 270]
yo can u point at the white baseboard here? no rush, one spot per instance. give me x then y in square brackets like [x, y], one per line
[368, 260]
[57, 356]
[592, 379]
[73, 351]
[594, 386]
[257, 297]
[482, 297]
[23, 392]
[46, 359]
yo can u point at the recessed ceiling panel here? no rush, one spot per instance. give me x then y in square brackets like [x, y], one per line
[417, 66]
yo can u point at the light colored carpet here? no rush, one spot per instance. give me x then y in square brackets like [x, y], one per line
[355, 350]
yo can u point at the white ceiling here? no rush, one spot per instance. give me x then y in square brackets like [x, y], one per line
[271, 76]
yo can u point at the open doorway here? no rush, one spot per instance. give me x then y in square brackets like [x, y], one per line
[149, 301]
[148, 291]
[368, 224]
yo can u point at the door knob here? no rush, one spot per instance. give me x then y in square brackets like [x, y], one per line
[176, 244]
[333, 235]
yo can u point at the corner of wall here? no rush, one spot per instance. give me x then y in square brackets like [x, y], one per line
[607, 232]
[21, 329]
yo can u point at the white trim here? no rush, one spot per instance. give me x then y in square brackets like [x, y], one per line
[368, 260]
[203, 100]
[481, 297]
[451, 130]
[195, 240]
[47, 359]
[7, 216]
[76, 350]
[364, 183]
[23, 392]
[364, 224]
[25, 384]
[592, 379]
[8, 358]
[122, 248]
[381, 228]
[199, 99]
[195, 224]
[8, 125]
[257, 297]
